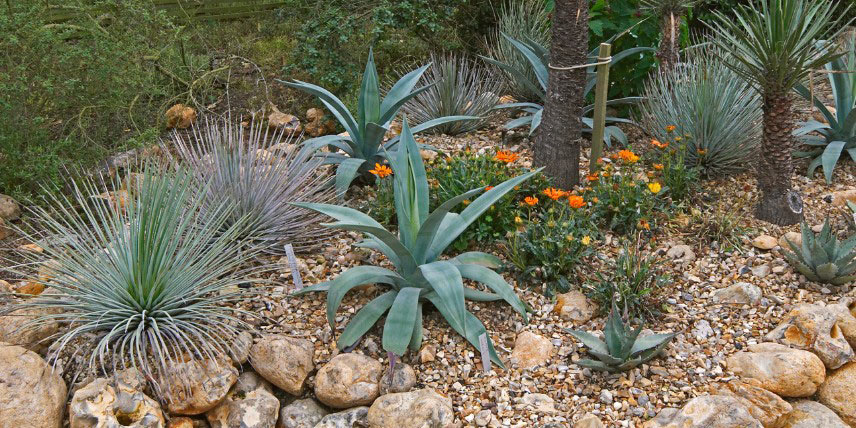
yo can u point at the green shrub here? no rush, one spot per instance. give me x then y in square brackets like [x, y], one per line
[629, 282]
[668, 160]
[419, 275]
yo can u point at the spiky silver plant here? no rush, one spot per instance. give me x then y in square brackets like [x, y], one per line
[822, 258]
[458, 86]
[717, 113]
[260, 173]
[149, 278]
[520, 20]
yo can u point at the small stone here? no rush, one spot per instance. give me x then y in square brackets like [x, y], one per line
[348, 380]
[9, 208]
[283, 361]
[288, 123]
[427, 353]
[531, 350]
[536, 402]
[589, 421]
[765, 242]
[837, 393]
[761, 271]
[741, 293]
[574, 306]
[32, 394]
[356, 417]
[785, 371]
[702, 330]
[250, 404]
[681, 253]
[403, 379]
[305, 413]
[483, 418]
[605, 396]
[422, 408]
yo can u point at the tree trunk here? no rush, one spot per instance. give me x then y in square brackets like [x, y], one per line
[557, 147]
[669, 51]
[779, 203]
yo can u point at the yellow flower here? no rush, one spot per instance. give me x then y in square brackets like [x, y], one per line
[518, 220]
[569, 237]
[551, 224]
[654, 188]
[586, 240]
[381, 171]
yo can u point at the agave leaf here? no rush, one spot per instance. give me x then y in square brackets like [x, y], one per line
[538, 65]
[520, 105]
[370, 148]
[480, 296]
[818, 254]
[428, 230]
[520, 121]
[345, 174]
[398, 329]
[445, 279]
[809, 127]
[652, 341]
[365, 319]
[595, 365]
[411, 188]
[518, 76]
[805, 93]
[416, 336]
[589, 340]
[470, 329]
[321, 286]
[841, 280]
[536, 121]
[368, 105]
[629, 364]
[338, 141]
[827, 271]
[495, 282]
[398, 94]
[355, 277]
[830, 158]
[477, 258]
[628, 342]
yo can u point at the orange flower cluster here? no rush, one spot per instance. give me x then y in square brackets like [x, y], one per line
[576, 201]
[592, 177]
[628, 156]
[381, 170]
[506, 156]
[554, 194]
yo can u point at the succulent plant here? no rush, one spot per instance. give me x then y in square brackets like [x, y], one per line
[623, 349]
[822, 258]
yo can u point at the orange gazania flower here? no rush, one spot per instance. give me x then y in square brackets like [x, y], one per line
[658, 144]
[576, 201]
[592, 177]
[644, 225]
[381, 170]
[702, 151]
[530, 200]
[628, 156]
[506, 156]
[553, 194]
[658, 166]
[670, 128]
[488, 188]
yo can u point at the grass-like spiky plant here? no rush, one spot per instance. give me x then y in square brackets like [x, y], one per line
[151, 280]
[458, 87]
[771, 43]
[716, 112]
[260, 173]
[521, 20]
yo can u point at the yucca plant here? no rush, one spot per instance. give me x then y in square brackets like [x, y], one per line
[363, 144]
[419, 275]
[623, 349]
[771, 44]
[716, 112]
[671, 13]
[839, 133]
[520, 20]
[538, 57]
[151, 281]
[259, 173]
[459, 87]
[822, 258]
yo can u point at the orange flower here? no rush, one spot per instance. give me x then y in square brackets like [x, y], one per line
[592, 177]
[488, 188]
[628, 156]
[506, 156]
[553, 194]
[381, 170]
[576, 201]
[670, 128]
[658, 166]
[530, 200]
[702, 151]
[595, 200]
[659, 145]
[644, 225]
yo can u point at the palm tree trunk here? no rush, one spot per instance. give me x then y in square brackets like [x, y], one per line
[779, 203]
[557, 147]
[669, 51]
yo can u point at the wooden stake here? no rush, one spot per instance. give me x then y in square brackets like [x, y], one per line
[601, 91]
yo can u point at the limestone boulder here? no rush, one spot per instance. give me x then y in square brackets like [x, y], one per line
[348, 380]
[837, 393]
[707, 411]
[250, 404]
[25, 327]
[768, 408]
[355, 417]
[784, 371]
[197, 386]
[422, 408]
[531, 350]
[305, 413]
[9, 208]
[114, 403]
[811, 414]
[401, 379]
[283, 361]
[575, 306]
[31, 393]
[741, 293]
[814, 328]
[845, 316]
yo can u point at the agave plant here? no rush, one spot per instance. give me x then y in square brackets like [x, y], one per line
[459, 87]
[151, 281]
[363, 144]
[822, 258]
[419, 275]
[717, 112]
[623, 349]
[521, 20]
[538, 57]
[259, 173]
[839, 133]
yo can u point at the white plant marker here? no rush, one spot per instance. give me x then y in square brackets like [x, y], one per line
[484, 352]
[295, 271]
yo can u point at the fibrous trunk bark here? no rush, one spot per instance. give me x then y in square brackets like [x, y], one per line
[780, 204]
[669, 51]
[557, 147]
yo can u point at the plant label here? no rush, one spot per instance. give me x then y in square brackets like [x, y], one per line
[485, 354]
[295, 271]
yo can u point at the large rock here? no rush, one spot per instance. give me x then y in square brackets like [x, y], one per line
[811, 414]
[284, 361]
[348, 380]
[845, 315]
[290, 124]
[31, 393]
[355, 417]
[23, 327]
[707, 411]
[197, 386]
[814, 328]
[681, 253]
[837, 393]
[589, 421]
[531, 350]
[305, 413]
[741, 293]
[185, 422]
[114, 403]
[180, 116]
[240, 350]
[9, 208]
[250, 404]
[403, 379]
[779, 369]
[5, 230]
[840, 198]
[763, 405]
[574, 306]
[423, 408]
[765, 242]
